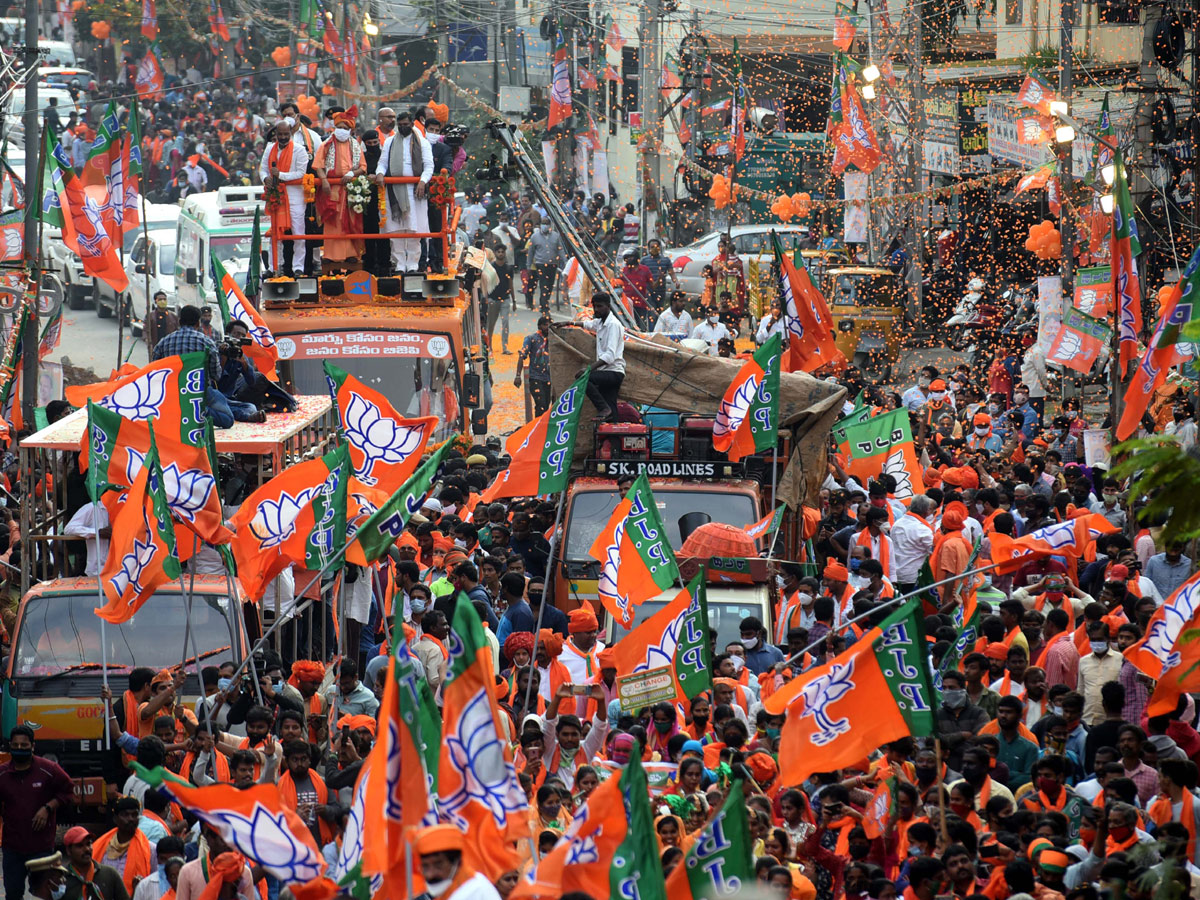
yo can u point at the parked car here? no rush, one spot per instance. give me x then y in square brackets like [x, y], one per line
[158, 216]
[158, 263]
[749, 242]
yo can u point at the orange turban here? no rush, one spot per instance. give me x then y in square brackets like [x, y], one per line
[996, 650]
[836, 572]
[357, 722]
[163, 677]
[582, 619]
[438, 839]
[408, 539]
[955, 517]
[607, 658]
[762, 767]
[307, 670]
[518, 640]
[552, 641]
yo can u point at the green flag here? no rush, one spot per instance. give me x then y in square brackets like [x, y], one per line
[1186, 319]
[903, 656]
[693, 652]
[329, 512]
[1102, 155]
[720, 862]
[108, 133]
[134, 135]
[254, 271]
[387, 523]
[636, 870]
[747, 419]
[418, 711]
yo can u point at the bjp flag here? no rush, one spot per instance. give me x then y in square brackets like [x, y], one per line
[477, 786]
[169, 392]
[610, 850]
[721, 858]
[1152, 654]
[748, 417]
[1181, 676]
[876, 691]
[1069, 538]
[384, 446]
[253, 821]
[235, 308]
[883, 445]
[298, 517]
[636, 561]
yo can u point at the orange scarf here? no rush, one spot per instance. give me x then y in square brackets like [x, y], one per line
[281, 215]
[1111, 846]
[1044, 803]
[1011, 636]
[1160, 812]
[1067, 606]
[441, 646]
[885, 550]
[287, 795]
[138, 860]
[220, 871]
[843, 826]
[1041, 662]
[219, 763]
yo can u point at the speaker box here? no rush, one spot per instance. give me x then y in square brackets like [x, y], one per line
[280, 290]
[389, 287]
[333, 287]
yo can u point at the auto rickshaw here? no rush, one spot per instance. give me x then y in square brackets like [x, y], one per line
[867, 305]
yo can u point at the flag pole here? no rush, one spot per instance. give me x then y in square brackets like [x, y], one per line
[103, 622]
[937, 751]
[887, 603]
[136, 111]
[554, 541]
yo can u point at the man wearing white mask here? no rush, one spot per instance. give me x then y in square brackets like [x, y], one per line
[282, 168]
[406, 153]
[711, 330]
[339, 160]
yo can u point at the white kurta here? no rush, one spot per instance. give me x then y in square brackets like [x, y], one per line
[477, 887]
[293, 179]
[406, 252]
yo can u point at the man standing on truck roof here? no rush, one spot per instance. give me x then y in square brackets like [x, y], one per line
[604, 382]
[32, 790]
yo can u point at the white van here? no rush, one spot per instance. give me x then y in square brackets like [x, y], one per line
[220, 222]
[57, 53]
[156, 260]
[158, 216]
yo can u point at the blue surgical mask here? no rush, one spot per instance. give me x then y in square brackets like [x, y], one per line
[224, 684]
[854, 564]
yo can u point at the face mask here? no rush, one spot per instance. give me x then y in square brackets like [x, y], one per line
[437, 888]
[956, 698]
[1057, 710]
[701, 722]
[418, 606]
[773, 733]
[806, 600]
[938, 395]
[662, 727]
[1046, 785]
[342, 134]
[855, 564]
[58, 892]
[750, 643]
[859, 851]
[1087, 835]
[914, 851]
[405, 130]
[925, 774]
[21, 754]
[460, 543]
[224, 684]
[1110, 497]
[1121, 833]
[1099, 647]
[993, 408]
[712, 320]
[982, 430]
[923, 382]
[277, 685]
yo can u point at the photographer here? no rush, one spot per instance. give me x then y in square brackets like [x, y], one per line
[189, 339]
[277, 694]
[237, 375]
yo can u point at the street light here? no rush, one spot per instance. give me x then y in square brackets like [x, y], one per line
[868, 91]
[1058, 107]
[1064, 134]
[1106, 204]
[871, 73]
[1109, 173]
[370, 27]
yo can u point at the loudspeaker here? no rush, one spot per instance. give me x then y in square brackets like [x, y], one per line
[440, 287]
[471, 386]
[389, 287]
[333, 287]
[280, 290]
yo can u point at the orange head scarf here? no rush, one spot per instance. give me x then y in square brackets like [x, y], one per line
[222, 870]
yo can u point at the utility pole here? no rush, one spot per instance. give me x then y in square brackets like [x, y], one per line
[649, 68]
[1070, 385]
[34, 142]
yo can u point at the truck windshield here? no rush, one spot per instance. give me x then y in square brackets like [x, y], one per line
[62, 631]
[590, 511]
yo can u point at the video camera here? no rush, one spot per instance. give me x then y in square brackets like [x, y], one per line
[232, 346]
[454, 135]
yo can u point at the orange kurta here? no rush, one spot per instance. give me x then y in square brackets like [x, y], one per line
[336, 214]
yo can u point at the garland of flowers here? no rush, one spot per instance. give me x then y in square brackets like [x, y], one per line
[441, 189]
[310, 187]
[272, 195]
[382, 203]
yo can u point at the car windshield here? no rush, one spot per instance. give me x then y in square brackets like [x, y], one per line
[233, 252]
[724, 616]
[61, 631]
[864, 290]
[590, 511]
[166, 259]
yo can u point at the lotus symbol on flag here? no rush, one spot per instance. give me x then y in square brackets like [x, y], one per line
[261, 335]
[478, 755]
[132, 566]
[377, 437]
[663, 653]
[894, 466]
[823, 692]
[276, 519]
[12, 244]
[266, 839]
[140, 399]
[583, 851]
[608, 575]
[187, 490]
[731, 414]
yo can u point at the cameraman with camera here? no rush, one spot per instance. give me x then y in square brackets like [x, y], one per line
[277, 694]
[237, 375]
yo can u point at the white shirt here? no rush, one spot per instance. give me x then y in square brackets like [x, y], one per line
[196, 176]
[912, 543]
[472, 216]
[764, 331]
[675, 326]
[610, 343]
[293, 175]
[710, 334]
[477, 887]
[90, 518]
